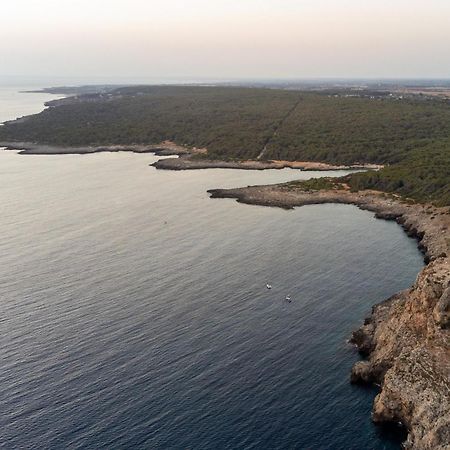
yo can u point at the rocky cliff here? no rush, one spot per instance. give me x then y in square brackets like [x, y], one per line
[406, 340]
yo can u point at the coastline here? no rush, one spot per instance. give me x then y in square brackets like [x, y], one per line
[185, 160]
[29, 148]
[406, 339]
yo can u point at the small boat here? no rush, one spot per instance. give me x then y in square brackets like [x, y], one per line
[268, 286]
[288, 298]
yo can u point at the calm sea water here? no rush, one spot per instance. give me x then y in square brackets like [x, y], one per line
[134, 312]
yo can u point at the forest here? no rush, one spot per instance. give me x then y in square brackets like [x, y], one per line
[410, 135]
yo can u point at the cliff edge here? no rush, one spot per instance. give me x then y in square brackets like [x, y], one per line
[406, 339]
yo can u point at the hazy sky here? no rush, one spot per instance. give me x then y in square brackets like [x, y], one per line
[225, 38]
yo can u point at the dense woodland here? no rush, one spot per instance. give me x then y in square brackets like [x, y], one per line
[410, 135]
[424, 175]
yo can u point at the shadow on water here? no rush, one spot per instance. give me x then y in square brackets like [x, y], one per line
[393, 433]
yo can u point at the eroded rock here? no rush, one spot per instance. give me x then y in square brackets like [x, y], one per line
[407, 337]
[441, 312]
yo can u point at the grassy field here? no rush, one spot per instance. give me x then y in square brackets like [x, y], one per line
[410, 135]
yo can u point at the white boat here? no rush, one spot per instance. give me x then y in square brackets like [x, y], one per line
[288, 298]
[268, 286]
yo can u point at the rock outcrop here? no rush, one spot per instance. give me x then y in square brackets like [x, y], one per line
[187, 162]
[165, 148]
[408, 347]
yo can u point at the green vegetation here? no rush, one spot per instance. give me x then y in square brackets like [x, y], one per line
[315, 184]
[348, 130]
[424, 175]
[230, 122]
[411, 135]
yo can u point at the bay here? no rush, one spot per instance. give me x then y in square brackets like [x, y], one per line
[134, 312]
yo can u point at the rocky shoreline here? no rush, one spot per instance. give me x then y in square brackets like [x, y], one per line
[187, 162]
[29, 148]
[186, 157]
[406, 339]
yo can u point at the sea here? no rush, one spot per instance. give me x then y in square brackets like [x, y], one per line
[134, 312]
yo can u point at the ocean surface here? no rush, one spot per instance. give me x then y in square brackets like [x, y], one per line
[134, 311]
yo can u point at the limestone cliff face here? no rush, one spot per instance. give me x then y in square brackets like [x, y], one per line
[408, 343]
[407, 337]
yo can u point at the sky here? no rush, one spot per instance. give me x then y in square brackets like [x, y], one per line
[148, 40]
